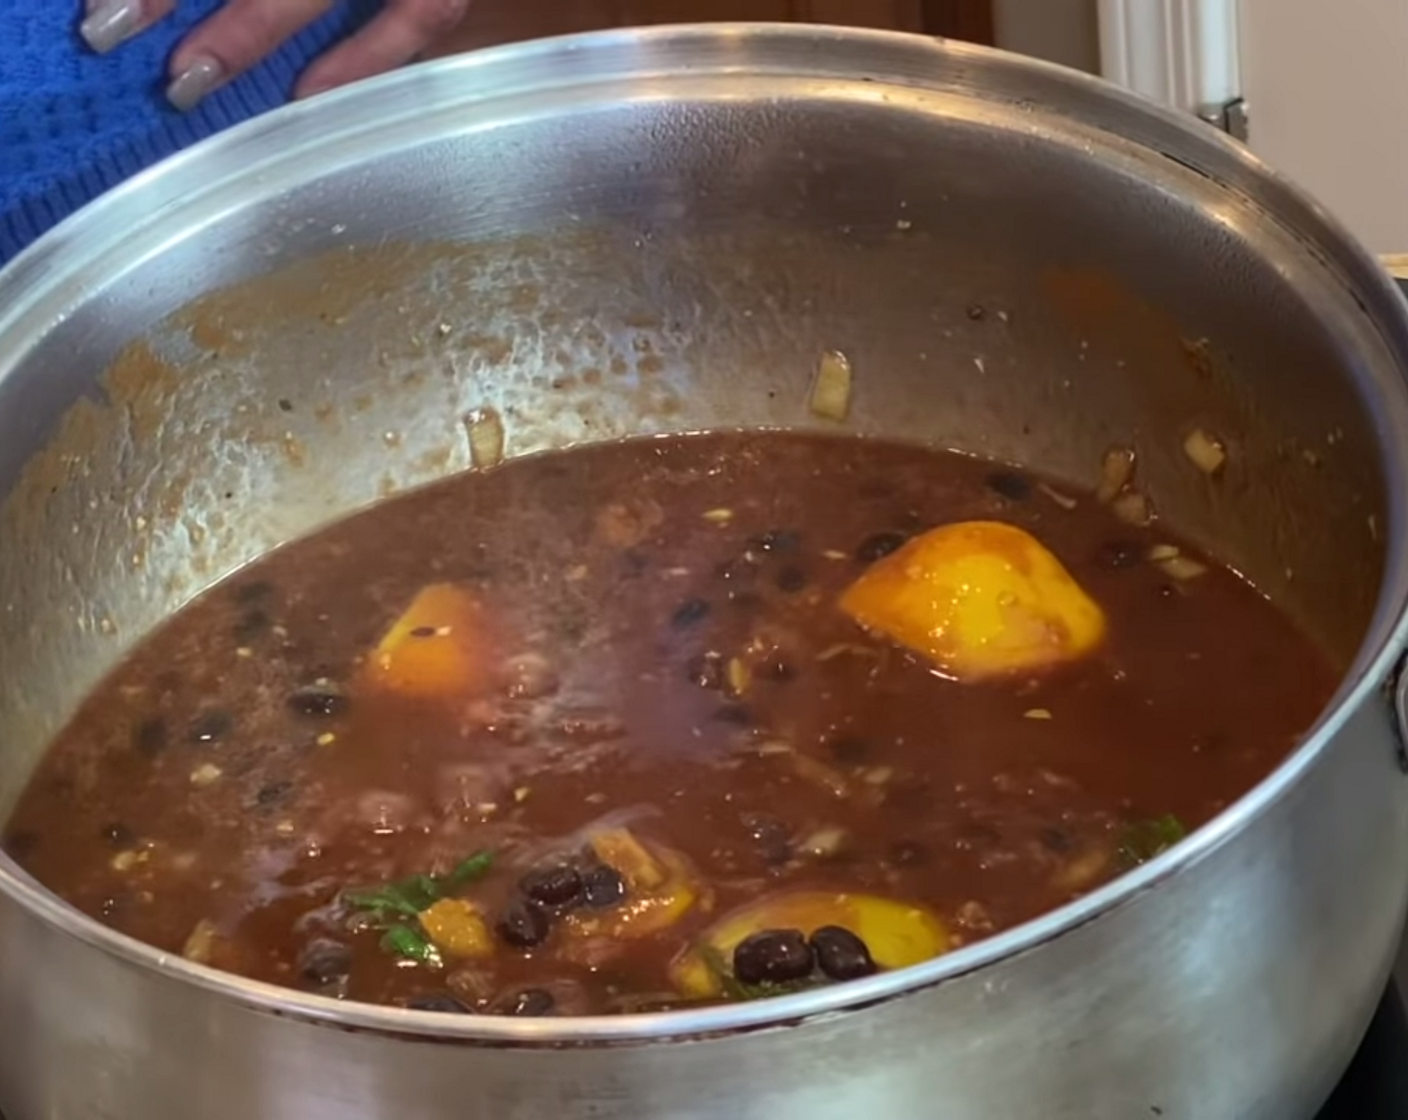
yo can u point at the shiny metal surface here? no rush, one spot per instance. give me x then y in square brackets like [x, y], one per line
[656, 231]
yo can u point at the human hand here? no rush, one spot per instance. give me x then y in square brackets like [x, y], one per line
[243, 32]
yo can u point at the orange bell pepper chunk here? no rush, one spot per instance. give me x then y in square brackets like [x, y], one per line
[978, 599]
[897, 934]
[436, 649]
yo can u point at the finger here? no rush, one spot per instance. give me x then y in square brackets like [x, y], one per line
[110, 22]
[236, 37]
[393, 38]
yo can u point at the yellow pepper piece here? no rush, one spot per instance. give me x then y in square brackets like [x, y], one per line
[896, 933]
[618, 848]
[435, 649]
[672, 891]
[979, 599]
[457, 929]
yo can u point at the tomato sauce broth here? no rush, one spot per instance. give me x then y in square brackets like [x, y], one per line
[657, 656]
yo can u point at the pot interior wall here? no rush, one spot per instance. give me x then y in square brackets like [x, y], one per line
[1003, 282]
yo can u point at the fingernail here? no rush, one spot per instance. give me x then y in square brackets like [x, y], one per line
[111, 23]
[195, 82]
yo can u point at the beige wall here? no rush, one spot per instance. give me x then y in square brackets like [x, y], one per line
[1326, 83]
[1064, 31]
[1327, 88]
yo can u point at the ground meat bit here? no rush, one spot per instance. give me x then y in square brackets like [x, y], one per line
[879, 545]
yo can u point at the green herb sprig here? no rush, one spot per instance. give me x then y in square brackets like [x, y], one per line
[1141, 841]
[396, 907]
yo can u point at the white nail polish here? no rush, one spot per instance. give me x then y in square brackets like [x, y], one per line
[194, 83]
[111, 23]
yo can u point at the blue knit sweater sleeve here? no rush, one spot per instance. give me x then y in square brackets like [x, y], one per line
[73, 123]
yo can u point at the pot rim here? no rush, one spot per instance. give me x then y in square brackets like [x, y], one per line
[869, 60]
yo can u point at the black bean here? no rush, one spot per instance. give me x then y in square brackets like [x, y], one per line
[879, 545]
[841, 954]
[273, 793]
[256, 591]
[1010, 485]
[634, 562]
[777, 540]
[324, 961]
[849, 750]
[707, 670]
[211, 725]
[320, 699]
[791, 579]
[688, 613]
[250, 625]
[735, 714]
[745, 600]
[21, 845]
[553, 886]
[1056, 840]
[772, 838]
[602, 887]
[1119, 554]
[150, 737]
[523, 924]
[119, 835]
[908, 853]
[572, 623]
[531, 1003]
[441, 1002]
[285, 405]
[774, 956]
[977, 837]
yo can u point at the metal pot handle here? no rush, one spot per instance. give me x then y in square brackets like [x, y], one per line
[1397, 688]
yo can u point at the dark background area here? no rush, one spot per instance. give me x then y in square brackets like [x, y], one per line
[497, 21]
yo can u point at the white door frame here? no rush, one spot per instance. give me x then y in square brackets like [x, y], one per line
[1183, 53]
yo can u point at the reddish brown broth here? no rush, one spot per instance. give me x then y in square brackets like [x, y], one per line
[188, 794]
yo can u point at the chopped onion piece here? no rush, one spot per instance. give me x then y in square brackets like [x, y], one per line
[1132, 508]
[486, 438]
[821, 775]
[739, 677]
[831, 391]
[1182, 567]
[200, 945]
[1081, 872]
[1162, 552]
[1065, 501]
[205, 774]
[825, 843]
[1208, 453]
[840, 649]
[1116, 471]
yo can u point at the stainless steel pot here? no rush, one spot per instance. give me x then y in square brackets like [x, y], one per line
[655, 231]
